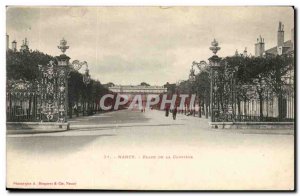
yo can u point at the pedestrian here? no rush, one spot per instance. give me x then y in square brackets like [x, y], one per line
[174, 113]
[76, 110]
[167, 111]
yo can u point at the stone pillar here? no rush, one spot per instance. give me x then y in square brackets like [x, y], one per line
[63, 63]
[214, 63]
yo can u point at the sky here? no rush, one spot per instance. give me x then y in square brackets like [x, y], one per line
[130, 45]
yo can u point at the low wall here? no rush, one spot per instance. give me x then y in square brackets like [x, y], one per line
[252, 125]
[35, 127]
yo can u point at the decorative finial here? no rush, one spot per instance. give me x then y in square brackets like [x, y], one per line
[63, 45]
[214, 47]
[192, 75]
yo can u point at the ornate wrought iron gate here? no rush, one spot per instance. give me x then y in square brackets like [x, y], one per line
[258, 105]
[45, 99]
[53, 88]
[22, 101]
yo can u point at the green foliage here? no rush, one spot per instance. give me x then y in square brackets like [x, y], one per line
[110, 84]
[248, 77]
[171, 88]
[184, 87]
[278, 67]
[262, 72]
[24, 65]
[144, 84]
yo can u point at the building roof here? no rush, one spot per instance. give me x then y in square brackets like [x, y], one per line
[288, 45]
[137, 89]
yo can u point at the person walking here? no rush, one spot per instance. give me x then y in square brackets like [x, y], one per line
[174, 113]
[76, 110]
[167, 108]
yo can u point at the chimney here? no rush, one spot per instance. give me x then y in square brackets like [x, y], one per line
[280, 35]
[259, 47]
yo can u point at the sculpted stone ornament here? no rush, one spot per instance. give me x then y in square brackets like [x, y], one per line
[63, 46]
[214, 46]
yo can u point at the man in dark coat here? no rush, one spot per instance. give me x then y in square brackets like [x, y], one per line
[174, 113]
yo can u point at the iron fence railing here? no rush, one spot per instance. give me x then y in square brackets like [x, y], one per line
[249, 118]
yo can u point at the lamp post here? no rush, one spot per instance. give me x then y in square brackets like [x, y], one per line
[236, 111]
[86, 80]
[214, 63]
[192, 79]
[86, 77]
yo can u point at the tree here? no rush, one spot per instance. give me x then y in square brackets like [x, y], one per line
[110, 84]
[171, 88]
[260, 74]
[144, 84]
[203, 87]
[24, 65]
[277, 68]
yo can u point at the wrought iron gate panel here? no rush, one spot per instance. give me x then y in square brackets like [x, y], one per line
[21, 101]
[47, 96]
[53, 92]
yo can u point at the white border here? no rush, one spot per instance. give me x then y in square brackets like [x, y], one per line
[3, 3]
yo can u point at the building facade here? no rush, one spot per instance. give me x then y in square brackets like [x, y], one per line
[131, 89]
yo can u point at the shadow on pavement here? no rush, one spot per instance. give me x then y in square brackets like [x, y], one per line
[118, 126]
[119, 117]
[58, 145]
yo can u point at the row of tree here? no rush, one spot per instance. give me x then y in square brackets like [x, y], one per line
[24, 65]
[242, 79]
[260, 78]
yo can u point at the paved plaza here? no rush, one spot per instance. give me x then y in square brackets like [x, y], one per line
[118, 149]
